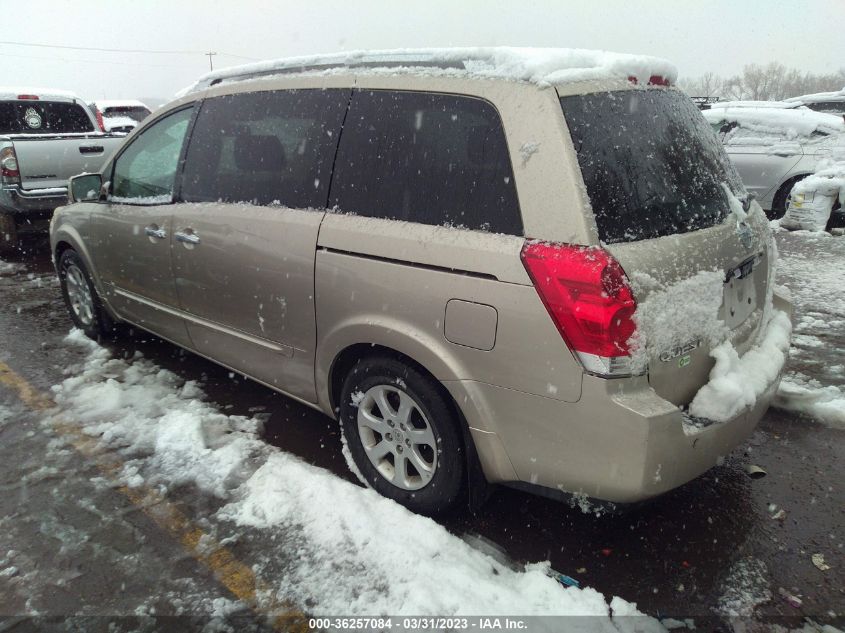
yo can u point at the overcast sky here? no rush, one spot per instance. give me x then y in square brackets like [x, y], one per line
[697, 35]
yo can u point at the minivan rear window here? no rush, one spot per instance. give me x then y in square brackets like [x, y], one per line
[43, 117]
[650, 161]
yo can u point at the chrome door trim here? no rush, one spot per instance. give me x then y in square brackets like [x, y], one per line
[284, 350]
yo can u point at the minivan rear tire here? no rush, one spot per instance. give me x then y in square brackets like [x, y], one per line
[428, 436]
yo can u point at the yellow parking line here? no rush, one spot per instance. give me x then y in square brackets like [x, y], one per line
[237, 577]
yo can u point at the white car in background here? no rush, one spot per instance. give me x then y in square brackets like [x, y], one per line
[119, 116]
[774, 145]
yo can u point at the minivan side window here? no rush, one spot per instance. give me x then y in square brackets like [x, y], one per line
[145, 172]
[427, 158]
[271, 147]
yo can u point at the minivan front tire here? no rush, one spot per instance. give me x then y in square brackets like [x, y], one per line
[403, 434]
[81, 298]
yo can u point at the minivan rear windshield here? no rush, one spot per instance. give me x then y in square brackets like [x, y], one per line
[43, 117]
[650, 161]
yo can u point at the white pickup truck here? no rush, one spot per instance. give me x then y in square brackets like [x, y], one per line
[46, 136]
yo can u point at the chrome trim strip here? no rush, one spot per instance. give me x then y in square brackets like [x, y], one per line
[284, 350]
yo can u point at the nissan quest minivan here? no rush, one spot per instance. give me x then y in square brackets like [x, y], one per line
[454, 253]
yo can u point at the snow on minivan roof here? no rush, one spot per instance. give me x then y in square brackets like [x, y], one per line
[779, 121]
[545, 66]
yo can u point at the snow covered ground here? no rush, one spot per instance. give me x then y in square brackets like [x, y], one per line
[356, 552]
[814, 384]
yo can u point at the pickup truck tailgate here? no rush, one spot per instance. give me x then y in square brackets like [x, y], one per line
[48, 161]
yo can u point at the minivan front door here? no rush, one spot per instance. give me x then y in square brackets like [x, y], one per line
[254, 192]
[131, 231]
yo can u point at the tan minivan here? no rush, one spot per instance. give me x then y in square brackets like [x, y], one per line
[452, 257]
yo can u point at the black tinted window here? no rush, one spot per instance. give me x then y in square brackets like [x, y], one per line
[831, 107]
[43, 117]
[428, 158]
[265, 148]
[651, 163]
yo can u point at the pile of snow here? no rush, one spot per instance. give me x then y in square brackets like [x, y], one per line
[675, 314]
[807, 395]
[350, 551]
[813, 198]
[544, 66]
[736, 382]
[770, 125]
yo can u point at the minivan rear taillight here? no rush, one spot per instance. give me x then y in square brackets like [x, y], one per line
[589, 299]
[9, 172]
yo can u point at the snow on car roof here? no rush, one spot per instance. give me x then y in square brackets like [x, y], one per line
[788, 122]
[754, 104]
[119, 103]
[819, 97]
[545, 66]
[10, 93]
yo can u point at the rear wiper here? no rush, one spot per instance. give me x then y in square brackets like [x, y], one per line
[747, 200]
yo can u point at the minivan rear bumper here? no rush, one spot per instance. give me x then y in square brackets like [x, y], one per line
[621, 442]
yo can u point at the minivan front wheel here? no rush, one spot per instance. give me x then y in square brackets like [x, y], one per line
[402, 434]
[83, 303]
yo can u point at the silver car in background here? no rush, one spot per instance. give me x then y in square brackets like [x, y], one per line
[774, 144]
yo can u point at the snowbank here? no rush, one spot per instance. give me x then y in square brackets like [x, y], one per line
[343, 549]
[545, 66]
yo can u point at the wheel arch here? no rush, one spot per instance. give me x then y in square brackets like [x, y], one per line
[477, 488]
[68, 237]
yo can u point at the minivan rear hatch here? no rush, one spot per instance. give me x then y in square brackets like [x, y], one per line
[661, 189]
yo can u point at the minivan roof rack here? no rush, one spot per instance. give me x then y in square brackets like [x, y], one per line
[546, 66]
[413, 62]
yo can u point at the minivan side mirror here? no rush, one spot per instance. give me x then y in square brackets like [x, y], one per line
[84, 187]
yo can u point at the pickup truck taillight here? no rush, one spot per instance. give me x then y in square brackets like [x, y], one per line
[100, 121]
[9, 172]
[590, 301]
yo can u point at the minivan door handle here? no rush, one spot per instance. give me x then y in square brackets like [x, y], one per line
[154, 231]
[187, 238]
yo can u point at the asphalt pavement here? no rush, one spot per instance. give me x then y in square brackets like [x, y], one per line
[723, 543]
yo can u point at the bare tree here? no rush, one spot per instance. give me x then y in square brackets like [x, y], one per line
[773, 81]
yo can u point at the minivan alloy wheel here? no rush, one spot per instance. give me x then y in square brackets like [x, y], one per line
[79, 295]
[397, 437]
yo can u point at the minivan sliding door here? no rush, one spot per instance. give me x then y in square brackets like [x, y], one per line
[254, 192]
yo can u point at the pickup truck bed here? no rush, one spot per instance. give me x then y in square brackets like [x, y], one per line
[45, 138]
